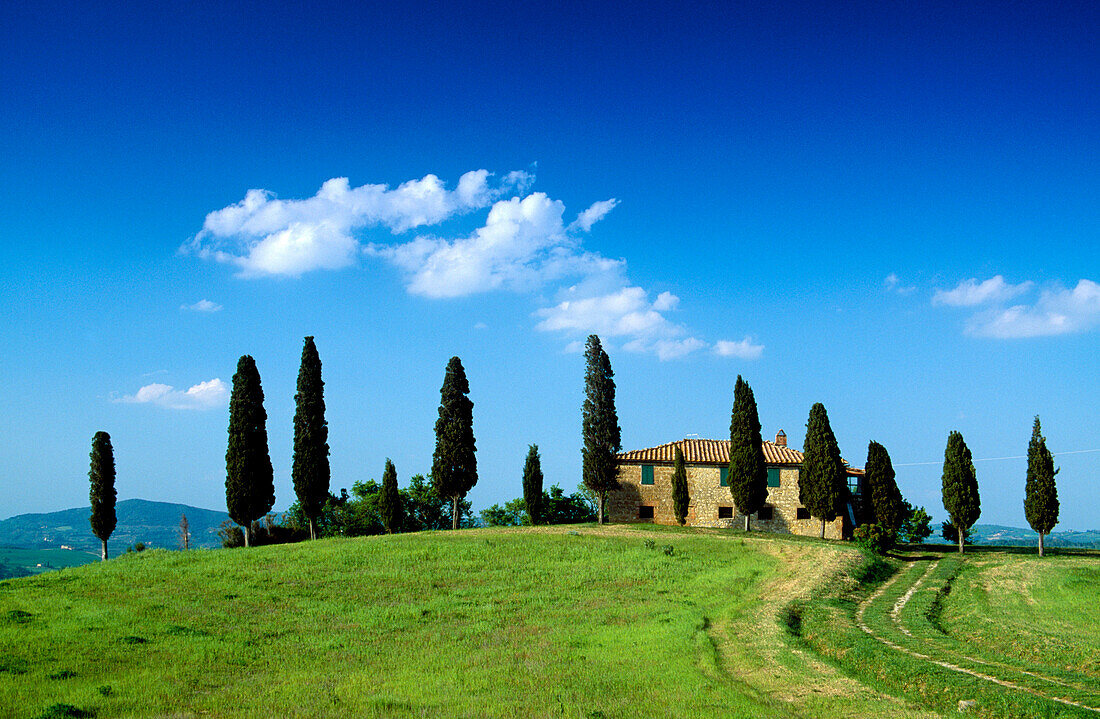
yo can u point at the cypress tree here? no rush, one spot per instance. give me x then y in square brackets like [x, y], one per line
[249, 479]
[960, 486]
[311, 468]
[389, 502]
[680, 498]
[102, 493]
[823, 479]
[887, 504]
[748, 473]
[532, 485]
[1040, 493]
[599, 425]
[454, 466]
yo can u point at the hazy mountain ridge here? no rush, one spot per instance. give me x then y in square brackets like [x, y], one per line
[1000, 535]
[139, 520]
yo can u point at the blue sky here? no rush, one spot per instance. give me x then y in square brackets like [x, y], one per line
[888, 208]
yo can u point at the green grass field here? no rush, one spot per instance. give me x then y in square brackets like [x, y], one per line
[553, 622]
[543, 623]
[1014, 634]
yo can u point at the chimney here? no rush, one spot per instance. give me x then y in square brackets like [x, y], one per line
[781, 439]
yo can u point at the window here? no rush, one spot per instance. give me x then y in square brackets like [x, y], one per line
[765, 512]
[724, 476]
[773, 476]
[725, 513]
[647, 476]
[802, 513]
[645, 512]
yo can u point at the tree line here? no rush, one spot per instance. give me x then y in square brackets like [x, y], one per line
[249, 484]
[428, 503]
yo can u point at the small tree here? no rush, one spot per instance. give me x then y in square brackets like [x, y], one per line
[822, 483]
[311, 468]
[249, 479]
[680, 498]
[454, 466]
[887, 505]
[951, 534]
[960, 486]
[916, 525]
[748, 473]
[102, 494]
[389, 503]
[185, 533]
[599, 425]
[532, 484]
[1040, 492]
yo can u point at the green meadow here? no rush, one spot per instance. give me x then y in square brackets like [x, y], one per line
[585, 621]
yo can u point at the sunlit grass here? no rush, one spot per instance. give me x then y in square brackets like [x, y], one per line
[492, 623]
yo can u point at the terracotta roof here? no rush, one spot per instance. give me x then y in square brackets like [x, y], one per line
[707, 451]
[713, 451]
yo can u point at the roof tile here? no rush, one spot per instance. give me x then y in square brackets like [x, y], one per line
[707, 451]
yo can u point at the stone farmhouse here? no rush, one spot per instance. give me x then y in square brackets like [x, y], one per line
[645, 489]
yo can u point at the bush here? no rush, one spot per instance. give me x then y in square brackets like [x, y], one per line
[874, 538]
[269, 531]
[916, 525]
[947, 529]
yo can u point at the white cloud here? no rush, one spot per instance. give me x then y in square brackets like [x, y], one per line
[1058, 311]
[745, 349]
[627, 314]
[263, 235]
[523, 245]
[893, 284]
[596, 212]
[205, 395]
[202, 306]
[970, 293]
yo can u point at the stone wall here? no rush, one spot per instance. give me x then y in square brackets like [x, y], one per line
[706, 496]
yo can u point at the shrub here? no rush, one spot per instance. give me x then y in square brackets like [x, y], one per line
[947, 529]
[874, 538]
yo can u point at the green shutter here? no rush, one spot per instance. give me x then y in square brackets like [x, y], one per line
[773, 476]
[647, 474]
[724, 476]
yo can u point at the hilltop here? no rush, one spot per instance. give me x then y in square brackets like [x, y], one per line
[576, 621]
[139, 520]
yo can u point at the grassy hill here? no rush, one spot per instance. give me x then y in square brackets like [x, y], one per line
[586, 622]
[139, 520]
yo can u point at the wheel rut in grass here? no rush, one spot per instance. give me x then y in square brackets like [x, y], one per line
[895, 617]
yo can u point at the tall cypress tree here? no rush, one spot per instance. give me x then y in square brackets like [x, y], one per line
[311, 468]
[960, 486]
[532, 484]
[102, 493]
[249, 479]
[1040, 493]
[887, 505]
[599, 425]
[822, 482]
[454, 466]
[680, 497]
[389, 502]
[748, 473]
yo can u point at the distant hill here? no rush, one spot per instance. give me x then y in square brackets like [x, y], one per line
[139, 520]
[999, 535]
